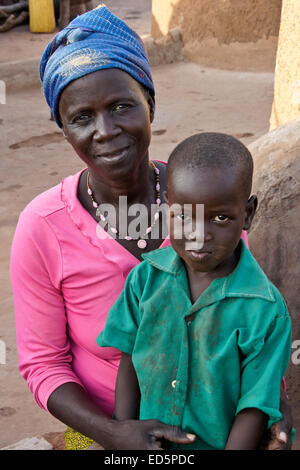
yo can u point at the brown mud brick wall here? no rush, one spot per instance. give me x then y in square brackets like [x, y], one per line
[286, 104]
[231, 34]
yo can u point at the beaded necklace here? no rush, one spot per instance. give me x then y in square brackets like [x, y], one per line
[141, 243]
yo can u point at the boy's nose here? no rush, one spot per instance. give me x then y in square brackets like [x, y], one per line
[191, 236]
[203, 232]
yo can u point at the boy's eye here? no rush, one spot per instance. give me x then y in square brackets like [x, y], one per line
[183, 216]
[221, 218]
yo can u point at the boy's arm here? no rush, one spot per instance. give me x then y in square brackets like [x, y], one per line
[127, 393]
[247, 430]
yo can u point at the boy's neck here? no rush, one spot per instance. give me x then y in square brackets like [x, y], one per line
[199, 281]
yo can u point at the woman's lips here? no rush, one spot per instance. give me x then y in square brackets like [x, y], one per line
[114, 156]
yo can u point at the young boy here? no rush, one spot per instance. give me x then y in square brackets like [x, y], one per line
[205, 335]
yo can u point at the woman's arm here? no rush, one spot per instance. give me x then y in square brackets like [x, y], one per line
[72, 405]
[44, 356]
[247, 430]
[127, 393]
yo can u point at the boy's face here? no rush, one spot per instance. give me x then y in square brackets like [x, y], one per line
[226, 213]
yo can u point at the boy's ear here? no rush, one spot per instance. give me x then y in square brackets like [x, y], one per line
[165, 197]
[250, 211]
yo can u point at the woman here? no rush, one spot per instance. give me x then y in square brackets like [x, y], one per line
[97, 82]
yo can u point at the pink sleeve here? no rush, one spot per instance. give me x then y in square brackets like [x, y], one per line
[36, 273]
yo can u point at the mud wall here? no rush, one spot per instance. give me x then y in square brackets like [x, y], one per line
[226, 20]
[286, 104]
[229, 34]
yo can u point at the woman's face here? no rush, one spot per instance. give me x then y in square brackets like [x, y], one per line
[106, 117]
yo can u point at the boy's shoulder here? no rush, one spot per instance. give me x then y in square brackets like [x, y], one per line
[164, 260]
[249, 281]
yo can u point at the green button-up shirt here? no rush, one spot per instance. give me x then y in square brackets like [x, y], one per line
[200, 364]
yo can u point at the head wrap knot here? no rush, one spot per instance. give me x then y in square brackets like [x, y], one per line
[93, 41]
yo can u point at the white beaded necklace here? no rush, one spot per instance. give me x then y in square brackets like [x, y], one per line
[141, 243]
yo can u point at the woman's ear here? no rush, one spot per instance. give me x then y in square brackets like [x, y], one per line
[150, 100]
[250, 211]
[151, 103]
[64, 133]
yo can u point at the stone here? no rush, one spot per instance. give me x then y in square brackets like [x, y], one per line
[165, 50]
[56, 439]
[30, 443]
[274, 235]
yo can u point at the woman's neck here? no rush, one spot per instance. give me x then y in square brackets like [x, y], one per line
[137, 186]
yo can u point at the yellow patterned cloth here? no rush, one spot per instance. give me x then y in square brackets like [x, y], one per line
[76, 441]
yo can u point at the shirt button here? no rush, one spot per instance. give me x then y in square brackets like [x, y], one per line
[174, 383]
[189, 319]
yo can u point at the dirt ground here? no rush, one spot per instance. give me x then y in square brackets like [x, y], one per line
[34, 156]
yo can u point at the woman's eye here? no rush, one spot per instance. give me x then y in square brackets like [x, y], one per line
[81, 118]
[221, 218]
[121, 107]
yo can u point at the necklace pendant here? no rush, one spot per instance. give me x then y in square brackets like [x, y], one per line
[142, 244]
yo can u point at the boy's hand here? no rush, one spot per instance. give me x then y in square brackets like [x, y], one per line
[146, 435]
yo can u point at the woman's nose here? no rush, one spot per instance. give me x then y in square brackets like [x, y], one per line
[105, 128]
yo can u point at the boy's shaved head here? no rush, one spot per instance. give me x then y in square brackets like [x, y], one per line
[214, 150]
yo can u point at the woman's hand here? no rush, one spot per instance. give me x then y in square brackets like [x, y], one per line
[279, 436]
[145, 435]
[71, 404]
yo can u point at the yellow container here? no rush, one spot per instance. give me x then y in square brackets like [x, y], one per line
[41, 16]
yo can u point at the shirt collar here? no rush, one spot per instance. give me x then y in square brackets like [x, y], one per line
[247, 279]
[165, 259]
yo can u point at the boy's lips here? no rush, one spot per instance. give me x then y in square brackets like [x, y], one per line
[199, 254]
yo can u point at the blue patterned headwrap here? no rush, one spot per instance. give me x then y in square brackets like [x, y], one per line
[93, 41]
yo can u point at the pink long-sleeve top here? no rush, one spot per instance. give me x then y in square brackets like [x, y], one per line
[66, 272]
